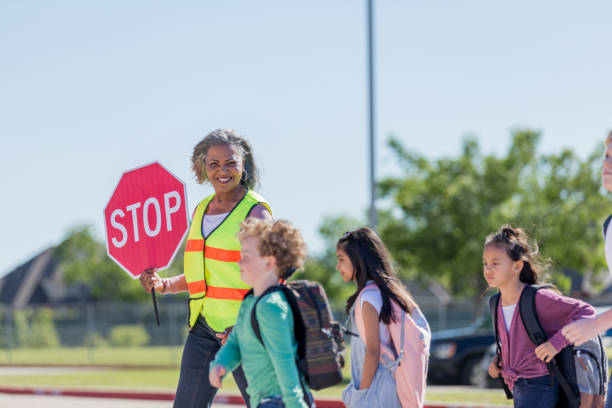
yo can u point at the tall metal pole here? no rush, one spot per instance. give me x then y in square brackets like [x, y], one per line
[373, 217]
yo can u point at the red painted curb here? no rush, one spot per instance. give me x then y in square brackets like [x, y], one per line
[329, 404]
[158, 396]
[166, 396]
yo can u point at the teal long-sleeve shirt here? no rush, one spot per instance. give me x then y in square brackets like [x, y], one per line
[269, 371]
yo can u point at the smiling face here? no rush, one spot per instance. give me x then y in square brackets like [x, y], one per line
[499, 269]
[606, 170]
[252, 264]
[224, 166]
[345, 266]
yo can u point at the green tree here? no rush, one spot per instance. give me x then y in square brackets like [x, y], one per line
[441, 210]
[566, 205]
[84, 261]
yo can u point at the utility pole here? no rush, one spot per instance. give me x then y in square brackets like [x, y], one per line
[371, 115]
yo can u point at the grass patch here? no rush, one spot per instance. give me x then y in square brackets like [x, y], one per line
[149, 380]
[466, 395]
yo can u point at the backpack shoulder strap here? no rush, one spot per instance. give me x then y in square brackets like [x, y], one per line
[605, 225]
[529, 317]
[493, 306]
[254, 323]
[249, 293]
[298, 323]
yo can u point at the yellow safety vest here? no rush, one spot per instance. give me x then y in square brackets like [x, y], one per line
[211, 268]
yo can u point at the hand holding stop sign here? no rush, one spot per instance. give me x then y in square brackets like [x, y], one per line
[146, 220]
[151, 281]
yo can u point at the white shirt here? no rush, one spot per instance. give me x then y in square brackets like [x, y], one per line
[508, 313]
[373, 297]
[608, 246]
[210, 222]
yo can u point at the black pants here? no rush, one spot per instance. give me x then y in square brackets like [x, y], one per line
[194, 389]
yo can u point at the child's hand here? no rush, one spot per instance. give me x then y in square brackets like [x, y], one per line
[580, 331]
[215, 375]
[494, 369]
[546, 352]
[225, 334]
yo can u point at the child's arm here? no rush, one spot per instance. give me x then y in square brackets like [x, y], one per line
[227, 359]
[560, 310]
[584, 329]
[174, 284]
[372, 342]
[149, 279]
[275, 322]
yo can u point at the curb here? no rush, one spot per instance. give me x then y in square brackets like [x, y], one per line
[150, 396]
[167, 396]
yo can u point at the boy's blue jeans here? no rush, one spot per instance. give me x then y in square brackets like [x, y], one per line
[194, 389]
[277, 402]
[536, 392]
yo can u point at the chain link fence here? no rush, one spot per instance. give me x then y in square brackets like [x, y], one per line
[123, 324]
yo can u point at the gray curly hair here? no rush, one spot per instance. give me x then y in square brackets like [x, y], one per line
[250, 174]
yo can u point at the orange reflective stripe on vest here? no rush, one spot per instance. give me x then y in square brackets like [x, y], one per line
[218, 254]
[223, 255]
[194, 245]
[214, 292]
[196, 287]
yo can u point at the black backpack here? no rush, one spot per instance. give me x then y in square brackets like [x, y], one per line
[319, 338]
[565, 364]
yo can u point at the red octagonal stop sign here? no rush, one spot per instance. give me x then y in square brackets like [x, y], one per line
[146, 219]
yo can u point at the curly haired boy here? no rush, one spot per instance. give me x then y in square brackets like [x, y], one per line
[269, 250]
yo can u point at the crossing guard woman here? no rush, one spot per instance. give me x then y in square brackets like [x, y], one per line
[211, 272]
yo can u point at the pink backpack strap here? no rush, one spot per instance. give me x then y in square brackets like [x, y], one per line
[387, 356]
[392, 361]
[358, 315]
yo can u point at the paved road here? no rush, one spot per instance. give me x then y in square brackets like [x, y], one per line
[50, 401]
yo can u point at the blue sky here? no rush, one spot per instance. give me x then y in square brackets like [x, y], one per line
[88, 90]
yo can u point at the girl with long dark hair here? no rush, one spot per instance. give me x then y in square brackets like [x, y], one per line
[378, 304]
